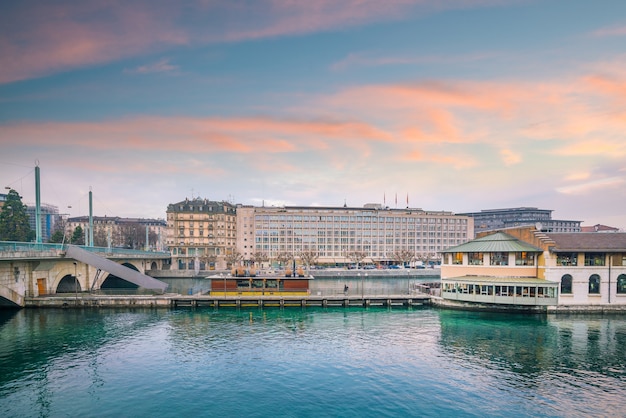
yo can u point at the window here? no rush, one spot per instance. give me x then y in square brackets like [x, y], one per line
[499, 259]
[621, 283]
[594, 284]
[457, 258]
[594, 259]
[567, 259]
[566, 284]
[475, 259]
[524, 258]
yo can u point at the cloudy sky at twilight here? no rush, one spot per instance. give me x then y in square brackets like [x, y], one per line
[456, 105]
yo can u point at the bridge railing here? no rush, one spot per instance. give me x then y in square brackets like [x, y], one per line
[13, 246]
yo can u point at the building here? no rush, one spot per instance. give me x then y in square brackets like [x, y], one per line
[495, 219]
[201, 234]
[343, 235]
[115, 231]
[50, 219]
[528, 267]
[598, 228]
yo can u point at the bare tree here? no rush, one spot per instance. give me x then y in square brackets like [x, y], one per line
[258, 257]
[233, 258]
[308, 257]
[210, 259]
[403, 256]
[284, 257]
[356, 257]
[100, 238]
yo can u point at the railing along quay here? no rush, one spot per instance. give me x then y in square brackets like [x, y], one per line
[217, 301]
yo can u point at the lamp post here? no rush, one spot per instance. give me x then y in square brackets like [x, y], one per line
[75, 282]
[363, 283]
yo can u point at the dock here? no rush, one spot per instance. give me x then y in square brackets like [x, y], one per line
[300, 301]
[216, 301]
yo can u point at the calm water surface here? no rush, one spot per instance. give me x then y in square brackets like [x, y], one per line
[309, 362]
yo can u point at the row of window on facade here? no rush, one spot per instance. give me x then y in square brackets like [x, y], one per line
[501, 290]
[192, 252]
[590, 259]
[201, 233]
[522, 258]
[357, 219]
[593, 284]
[354, 233]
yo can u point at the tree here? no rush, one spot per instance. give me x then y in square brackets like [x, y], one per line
[56, 237]
[308, 257]
[283, 258]
[100, 237]
[58, 233]
[403, 256]
[78, 237]
[233, 258]
[356, 257]
[14, 225]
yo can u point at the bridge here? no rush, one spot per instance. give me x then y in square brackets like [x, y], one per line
[37, 269]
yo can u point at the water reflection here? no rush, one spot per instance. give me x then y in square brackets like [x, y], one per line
[569, 365]
[304, 362]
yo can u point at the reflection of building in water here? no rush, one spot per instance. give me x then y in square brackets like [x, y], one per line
[523, 344]
[525, 267]
[599, 340]
[593, 346]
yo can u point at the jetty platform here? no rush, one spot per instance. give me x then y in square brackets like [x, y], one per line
[216, 301]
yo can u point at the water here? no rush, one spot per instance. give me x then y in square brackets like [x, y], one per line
[309, 362]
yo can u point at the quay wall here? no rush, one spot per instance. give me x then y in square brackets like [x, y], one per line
[89, 301]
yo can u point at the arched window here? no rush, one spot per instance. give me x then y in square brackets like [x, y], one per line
[566, 284]
[621, 283]
[594, 284]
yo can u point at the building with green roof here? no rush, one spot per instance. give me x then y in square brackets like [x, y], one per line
[528, 268]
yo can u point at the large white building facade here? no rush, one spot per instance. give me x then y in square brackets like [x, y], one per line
[333, 233]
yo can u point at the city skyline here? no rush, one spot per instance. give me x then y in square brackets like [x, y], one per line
[461, 106]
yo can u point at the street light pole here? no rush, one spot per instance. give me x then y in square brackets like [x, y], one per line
[75, 283]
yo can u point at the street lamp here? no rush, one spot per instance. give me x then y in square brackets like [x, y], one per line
[75, 282]
[362, 291]
[363, 280]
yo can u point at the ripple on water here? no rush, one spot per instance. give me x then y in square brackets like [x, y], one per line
[295, 362]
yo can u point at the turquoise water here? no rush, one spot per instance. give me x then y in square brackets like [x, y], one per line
[309, 362]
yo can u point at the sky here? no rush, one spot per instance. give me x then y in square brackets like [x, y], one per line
[453, 105]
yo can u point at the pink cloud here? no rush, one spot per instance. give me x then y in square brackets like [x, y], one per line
[161, 66]
[610, 31]
[196, 135]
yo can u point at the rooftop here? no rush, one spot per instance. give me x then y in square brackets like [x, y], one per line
[497, 242]
[585, 241]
